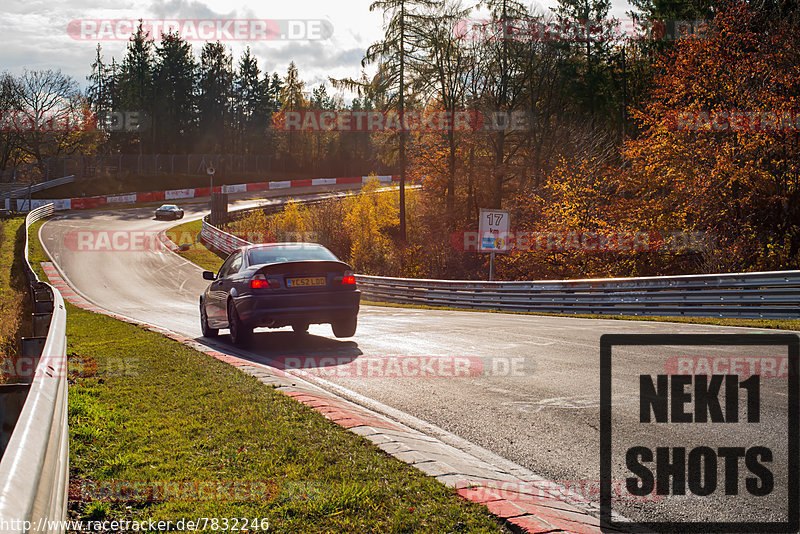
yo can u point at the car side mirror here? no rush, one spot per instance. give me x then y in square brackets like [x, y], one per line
[208, 275]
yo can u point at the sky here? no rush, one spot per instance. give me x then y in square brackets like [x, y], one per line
[47, 34]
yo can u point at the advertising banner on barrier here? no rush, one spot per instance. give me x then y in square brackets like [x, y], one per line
[121, 199]
[174, 194]
[79, 203]
[235, 188]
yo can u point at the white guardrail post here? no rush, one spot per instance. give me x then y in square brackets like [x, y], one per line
[760, 295]
[34, 470]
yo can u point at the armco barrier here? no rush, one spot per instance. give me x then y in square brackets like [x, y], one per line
[81, 203]
[34, 473]
[227, 243]
[219, 239]
[767, 295]
[16, 194]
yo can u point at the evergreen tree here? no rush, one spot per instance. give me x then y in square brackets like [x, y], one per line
[215, 97]
[135, 81]
[249, 102]
[99, 92]
[175, 82]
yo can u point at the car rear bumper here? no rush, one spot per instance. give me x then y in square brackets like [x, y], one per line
[285, 309]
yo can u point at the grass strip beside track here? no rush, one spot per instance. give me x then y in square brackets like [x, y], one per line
[161, 431]
[187, 235]
[209, 260]
[14, 306]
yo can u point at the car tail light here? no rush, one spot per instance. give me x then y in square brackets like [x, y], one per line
[349, 279]
[260, 281]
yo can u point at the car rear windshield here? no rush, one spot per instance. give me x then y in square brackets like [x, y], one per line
[281, 254]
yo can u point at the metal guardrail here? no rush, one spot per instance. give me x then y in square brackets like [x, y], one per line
[764, 295]
[17, 190]
[16, 198]
[34, 469]
[220, 239]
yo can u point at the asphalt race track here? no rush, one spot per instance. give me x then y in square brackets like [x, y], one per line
[545, 416]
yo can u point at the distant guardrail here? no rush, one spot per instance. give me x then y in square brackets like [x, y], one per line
[16, 189]
[227, 243]
[10, 194]
[762, 295]
[34, 469]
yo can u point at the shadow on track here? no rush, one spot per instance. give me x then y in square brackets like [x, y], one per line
[272, 347]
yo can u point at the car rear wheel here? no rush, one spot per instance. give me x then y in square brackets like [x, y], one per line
[345, 327]
[300, 328]
[240, 334]
[207, 330]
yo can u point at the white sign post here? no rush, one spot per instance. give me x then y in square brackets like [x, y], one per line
[493, 233]
[210, 170]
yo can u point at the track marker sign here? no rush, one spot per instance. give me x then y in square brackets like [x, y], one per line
[493, 232]
[494, 229]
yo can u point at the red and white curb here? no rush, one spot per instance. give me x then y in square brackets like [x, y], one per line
[81, 203]
[518, 497]
[167, 242]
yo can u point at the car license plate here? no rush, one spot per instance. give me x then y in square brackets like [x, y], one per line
[306, 282]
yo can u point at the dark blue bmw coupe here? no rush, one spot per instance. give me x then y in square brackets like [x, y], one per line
[280, 284]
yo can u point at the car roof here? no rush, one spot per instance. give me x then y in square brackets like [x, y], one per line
[292, 244]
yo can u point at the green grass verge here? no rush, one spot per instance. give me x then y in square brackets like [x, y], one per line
[35, 250]
[14, 302]
[161, 431]
[207, 259]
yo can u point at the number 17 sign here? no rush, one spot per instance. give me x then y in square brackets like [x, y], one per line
[493, 229]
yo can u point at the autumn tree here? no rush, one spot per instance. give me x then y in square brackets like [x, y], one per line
[701, 166]
[443, 61]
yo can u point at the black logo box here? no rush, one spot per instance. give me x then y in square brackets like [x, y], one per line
[791, 341]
